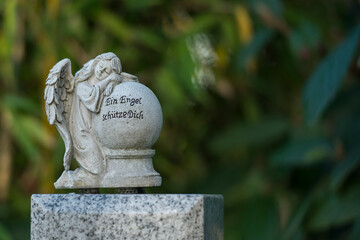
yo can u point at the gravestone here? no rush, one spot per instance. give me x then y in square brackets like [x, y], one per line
[109, 122]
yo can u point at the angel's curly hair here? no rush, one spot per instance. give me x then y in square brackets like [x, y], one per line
[88, 69]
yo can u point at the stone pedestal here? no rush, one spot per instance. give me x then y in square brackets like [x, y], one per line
[119, 216]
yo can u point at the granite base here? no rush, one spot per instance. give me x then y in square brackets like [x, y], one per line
[123, 216]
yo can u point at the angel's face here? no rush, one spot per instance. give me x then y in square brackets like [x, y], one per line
[103, 69]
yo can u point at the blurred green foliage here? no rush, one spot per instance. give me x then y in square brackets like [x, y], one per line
[260, 100]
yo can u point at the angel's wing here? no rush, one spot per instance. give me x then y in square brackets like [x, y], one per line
[58, 91]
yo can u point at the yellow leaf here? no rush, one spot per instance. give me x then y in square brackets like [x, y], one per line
[53, 8]
[244, 24]
[223, 58]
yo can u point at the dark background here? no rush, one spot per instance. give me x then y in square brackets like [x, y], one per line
[261, 103]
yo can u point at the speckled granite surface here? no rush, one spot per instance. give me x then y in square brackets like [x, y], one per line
[117, 216]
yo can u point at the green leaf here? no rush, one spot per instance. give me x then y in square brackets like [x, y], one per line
[344, 168]
[301, 152]
[249, 134]
[307, 35]
[141, 4]
[19, 103]
[355, 232]
[259, 220]
[149, 38]
[324, 83]
[252, 185]
[336, 210]
[293, 228]
[170, 91]
[34, 129]
[203, 22]
[20, 129]
[115, 25]
[182, 65]
[4, 233]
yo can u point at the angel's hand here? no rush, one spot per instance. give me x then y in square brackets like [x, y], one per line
[114, 77]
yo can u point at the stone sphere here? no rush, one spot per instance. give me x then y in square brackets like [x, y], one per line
[130, 118]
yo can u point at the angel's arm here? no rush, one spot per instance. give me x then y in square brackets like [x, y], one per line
[90, 96]
[114, 80]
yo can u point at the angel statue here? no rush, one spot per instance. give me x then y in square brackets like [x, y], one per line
[73, 104]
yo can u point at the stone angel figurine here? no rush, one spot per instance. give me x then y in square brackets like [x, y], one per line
[74, 104]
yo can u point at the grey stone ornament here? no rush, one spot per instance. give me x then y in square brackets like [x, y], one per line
[127, 216]
[108, 121]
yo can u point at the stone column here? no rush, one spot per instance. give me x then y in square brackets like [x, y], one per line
[126, 216]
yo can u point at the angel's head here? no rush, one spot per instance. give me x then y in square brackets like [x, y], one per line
[105, 64]
[102, 66]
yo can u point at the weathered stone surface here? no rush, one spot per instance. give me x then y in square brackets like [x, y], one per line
[117, 216]
[129, 118]
[108, 121]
